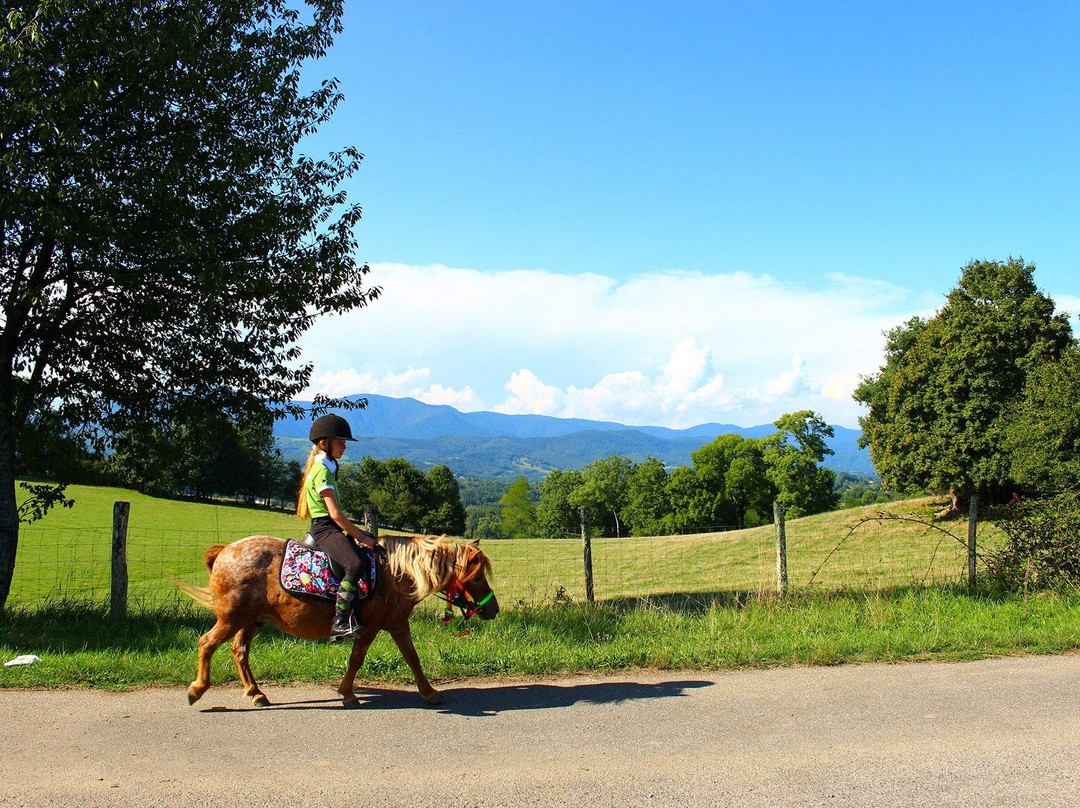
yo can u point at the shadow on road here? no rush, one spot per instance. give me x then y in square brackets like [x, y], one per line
[489, 701]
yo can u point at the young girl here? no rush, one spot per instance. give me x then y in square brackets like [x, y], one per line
[330, 527]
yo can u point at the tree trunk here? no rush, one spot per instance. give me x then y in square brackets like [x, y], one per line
[9, 510]
[954, 508]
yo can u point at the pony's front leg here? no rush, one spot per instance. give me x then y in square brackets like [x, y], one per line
[403, 637]
[356, 660]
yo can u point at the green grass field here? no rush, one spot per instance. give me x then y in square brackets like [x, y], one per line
[67, 555]
[889, 590]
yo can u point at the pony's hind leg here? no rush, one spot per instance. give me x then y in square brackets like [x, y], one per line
[241, 648]
[208, 643]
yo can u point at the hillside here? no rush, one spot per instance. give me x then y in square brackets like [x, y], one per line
[496, 446]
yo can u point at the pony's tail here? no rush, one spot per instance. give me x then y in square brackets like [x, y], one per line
[196, 593]
[301, 494]
[211, 554]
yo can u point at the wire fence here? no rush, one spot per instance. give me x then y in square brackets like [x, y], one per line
[56, 564]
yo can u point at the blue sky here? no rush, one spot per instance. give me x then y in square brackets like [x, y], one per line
[677, 212]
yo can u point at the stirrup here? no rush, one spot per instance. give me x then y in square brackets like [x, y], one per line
[354, 630]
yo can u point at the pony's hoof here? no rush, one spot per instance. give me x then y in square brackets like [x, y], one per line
[351, 704]
[434, 697]
[193, 694]
[260, 700]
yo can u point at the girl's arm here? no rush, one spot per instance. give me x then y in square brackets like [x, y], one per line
[342, 521]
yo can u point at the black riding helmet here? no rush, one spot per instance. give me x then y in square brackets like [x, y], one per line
[330, 426]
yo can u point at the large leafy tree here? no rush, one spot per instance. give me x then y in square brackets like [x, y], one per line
[163, 243]
[445, 514]
[731, 481]
[938, 405]
[792, 459]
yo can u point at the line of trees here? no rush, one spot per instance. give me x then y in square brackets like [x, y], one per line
[731, 483]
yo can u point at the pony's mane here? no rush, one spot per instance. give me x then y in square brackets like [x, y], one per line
[432, 563]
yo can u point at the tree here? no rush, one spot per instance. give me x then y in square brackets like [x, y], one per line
[445, 514]
[163, 243]
[606, 488]
[400, 495]
[556, 516]
[692, 504]
[518, 511]
[648, 508]
[792, 457]
[937, 407]
[731, 480]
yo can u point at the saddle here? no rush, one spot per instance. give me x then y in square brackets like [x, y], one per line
[307, 570]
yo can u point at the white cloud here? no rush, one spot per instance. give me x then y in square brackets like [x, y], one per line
[528, 395]
[668, 348]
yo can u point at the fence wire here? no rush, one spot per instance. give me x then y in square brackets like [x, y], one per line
[58, 564]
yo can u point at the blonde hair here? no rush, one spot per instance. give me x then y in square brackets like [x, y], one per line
[302, 509]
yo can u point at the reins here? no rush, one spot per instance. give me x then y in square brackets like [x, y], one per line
[457, 595]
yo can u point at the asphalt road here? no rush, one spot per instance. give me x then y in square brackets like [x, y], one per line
[1000, 732]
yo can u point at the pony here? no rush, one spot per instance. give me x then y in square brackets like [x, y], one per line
[245, 594]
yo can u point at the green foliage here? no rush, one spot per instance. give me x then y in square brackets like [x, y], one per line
[605, 490]
[1043, 546]
[556, 516]
[1042, 434]
[42, 497]
[938, 405]
[404, 496]
[792, 457]
[648, 508]
[731, 484]
[855, 491]
[518, 511]
[729, 480]
[163, 242]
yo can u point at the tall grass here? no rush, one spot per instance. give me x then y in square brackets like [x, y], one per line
[82, 646]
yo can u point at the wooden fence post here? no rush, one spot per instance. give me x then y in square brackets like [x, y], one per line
[973, 518]
[586, 543]
[781, 548]
[119, 587]
[371, 521]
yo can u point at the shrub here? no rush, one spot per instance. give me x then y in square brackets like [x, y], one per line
[1043, 544]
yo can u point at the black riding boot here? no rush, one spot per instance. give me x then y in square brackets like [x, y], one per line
[345, 622]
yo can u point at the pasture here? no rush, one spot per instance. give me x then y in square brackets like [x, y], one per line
[887, 591]
[67, 555]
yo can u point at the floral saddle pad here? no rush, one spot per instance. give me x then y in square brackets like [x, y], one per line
[309, 572]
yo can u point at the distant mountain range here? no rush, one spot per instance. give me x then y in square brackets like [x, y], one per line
[492, 445]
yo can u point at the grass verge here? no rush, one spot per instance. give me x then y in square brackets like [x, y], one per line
[81, 646]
